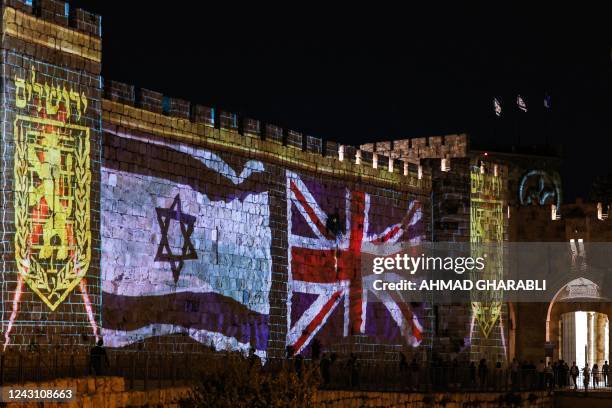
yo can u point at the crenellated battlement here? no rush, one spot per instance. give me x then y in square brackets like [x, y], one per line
[595, 211]
[415, 149]
[402, 157]
[65, 37]
[60, 13]
[211, 123]
[580, 220]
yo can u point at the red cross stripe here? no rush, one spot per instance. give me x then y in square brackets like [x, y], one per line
[330, 267]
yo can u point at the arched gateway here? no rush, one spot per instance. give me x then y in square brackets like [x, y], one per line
[577, 321]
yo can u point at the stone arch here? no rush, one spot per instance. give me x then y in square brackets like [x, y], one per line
[586, 297]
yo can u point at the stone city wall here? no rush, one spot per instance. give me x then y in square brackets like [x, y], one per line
[240, 240]
[50, 180]
[152, 222]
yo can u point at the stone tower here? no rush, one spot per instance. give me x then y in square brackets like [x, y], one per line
[51, 118]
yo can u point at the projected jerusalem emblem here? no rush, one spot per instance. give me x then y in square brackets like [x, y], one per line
[487, 232]
[52, 189]
[537, 187]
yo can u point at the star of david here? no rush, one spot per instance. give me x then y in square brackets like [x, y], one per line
[164, 253]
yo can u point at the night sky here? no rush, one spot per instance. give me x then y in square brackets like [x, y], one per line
[366, 75]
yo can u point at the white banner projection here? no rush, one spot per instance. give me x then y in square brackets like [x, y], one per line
[191, 264]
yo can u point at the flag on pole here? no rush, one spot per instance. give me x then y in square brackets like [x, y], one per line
[521, 103]
[497, 107]
[547, 101]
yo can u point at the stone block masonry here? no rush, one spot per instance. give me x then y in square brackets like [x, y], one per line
[416, 149]
[49, 192]
[154, 223]
[229, 240]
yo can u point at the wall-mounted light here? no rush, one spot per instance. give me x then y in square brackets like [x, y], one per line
[445, 164]
[214, 237]
[601, 215]
[554, 213]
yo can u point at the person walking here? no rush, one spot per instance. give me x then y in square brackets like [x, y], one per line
[472, 374]
[540, 369]
[403, 369]
[498, 376]
[605, 369]
[353, 366]
[483, 371]
[325, 368]
[574, 371]
[403, 363]
[98, 359]
[514, 373]
[565, 374]
[549, 375]
[555, 374]
[595, 373]
[414, 375]
[586, 374]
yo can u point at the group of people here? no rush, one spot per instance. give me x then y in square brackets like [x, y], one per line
[483, 375]
[437, 373]
[552, 374]
[559, 374]
[595, 374]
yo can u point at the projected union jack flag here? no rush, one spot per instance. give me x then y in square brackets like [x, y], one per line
[330, 228]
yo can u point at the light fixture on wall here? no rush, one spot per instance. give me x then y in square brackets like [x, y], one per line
[214, 237]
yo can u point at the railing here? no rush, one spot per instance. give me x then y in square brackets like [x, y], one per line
[144, 370]
[425, 379]
[599, 381]
[448, 379]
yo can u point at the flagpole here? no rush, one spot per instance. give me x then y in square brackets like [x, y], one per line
[497, 110]
[522, 106]
[495, 117]
[515, 118]
[495, 136]
[517, 132]
[547, 121]
[547, 131]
